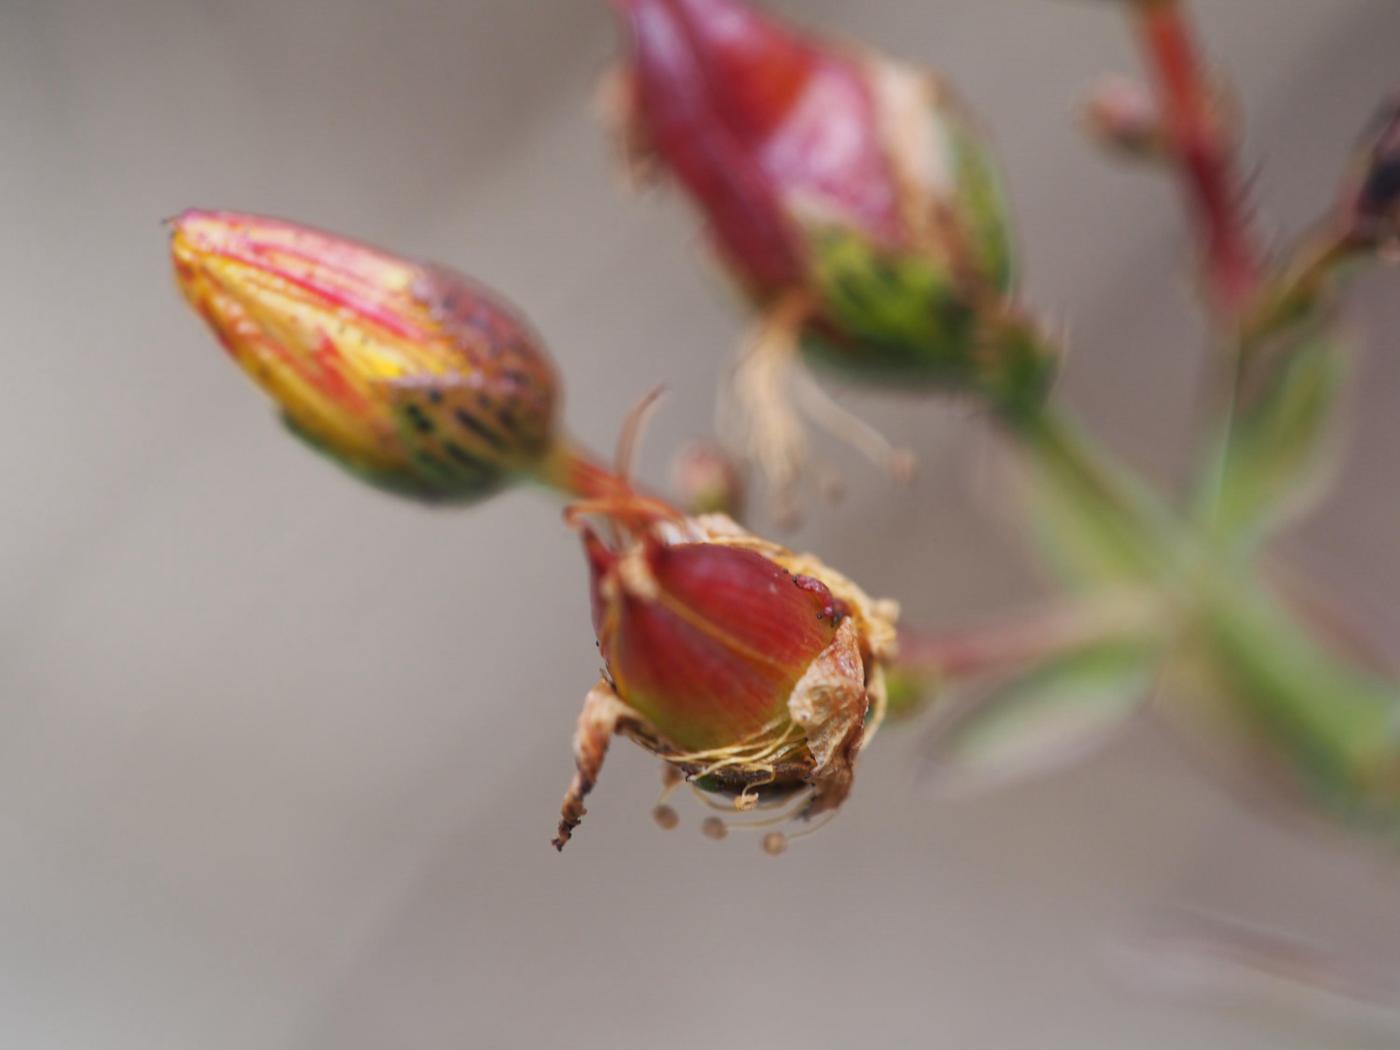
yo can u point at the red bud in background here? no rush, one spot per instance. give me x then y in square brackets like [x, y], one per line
[849, 195]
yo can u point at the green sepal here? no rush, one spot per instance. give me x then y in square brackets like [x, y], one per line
[901, 317]
[886, 312]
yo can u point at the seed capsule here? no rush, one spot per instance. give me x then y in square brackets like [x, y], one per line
[755, 671]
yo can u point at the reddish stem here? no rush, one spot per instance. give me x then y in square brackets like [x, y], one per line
[579, 474]
[589, 485]
[1204, 151]
[963, 653]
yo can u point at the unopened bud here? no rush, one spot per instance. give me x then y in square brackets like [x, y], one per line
[1122, 116]
[409, 375]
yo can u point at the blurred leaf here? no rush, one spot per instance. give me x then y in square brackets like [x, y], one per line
[1278, 453]
[1044, 719]
[908, 690]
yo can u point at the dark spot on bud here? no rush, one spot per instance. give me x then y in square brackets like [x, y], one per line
[470, 422]
[464, 458]
[418, 418]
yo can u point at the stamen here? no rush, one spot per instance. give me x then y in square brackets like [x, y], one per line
[714, 828]
[762, 411]
[846, 426]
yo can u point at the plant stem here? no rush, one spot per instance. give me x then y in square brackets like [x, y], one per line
[1136, 535]
[579, 474]
[963, 653]
[1203, 150]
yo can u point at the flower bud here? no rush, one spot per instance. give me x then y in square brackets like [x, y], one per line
[756, 672]
[707, 480]
[850, 197]
[1372, 204]
[409, 375]
[1121, 114]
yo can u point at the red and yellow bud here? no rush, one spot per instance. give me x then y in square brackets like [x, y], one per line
[755, 672]
[849, 195]
[410, 375]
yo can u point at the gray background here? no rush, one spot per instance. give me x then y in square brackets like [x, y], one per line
[279, 759]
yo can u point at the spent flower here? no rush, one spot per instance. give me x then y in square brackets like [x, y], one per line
[755, 672]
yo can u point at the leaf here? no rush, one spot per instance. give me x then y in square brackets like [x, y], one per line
[1278, 454]
[1043, 720]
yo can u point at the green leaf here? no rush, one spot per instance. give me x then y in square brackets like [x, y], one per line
[1044, 719]
[1278, 455]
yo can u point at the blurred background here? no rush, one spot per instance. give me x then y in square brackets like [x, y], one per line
[280, 758]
